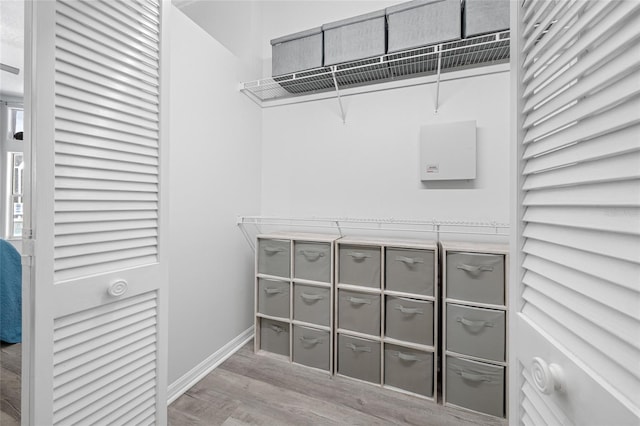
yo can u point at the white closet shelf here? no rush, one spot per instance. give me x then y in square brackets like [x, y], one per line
[468, 53]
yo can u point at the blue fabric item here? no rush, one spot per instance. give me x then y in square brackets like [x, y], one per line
[10, 294]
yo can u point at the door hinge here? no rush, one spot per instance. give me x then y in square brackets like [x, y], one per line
[28, 246]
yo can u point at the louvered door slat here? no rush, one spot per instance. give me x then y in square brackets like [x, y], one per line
[608, 269]
[596, 218]
[134, 411]
[101, 143]
[601, 194]
[539, 26]
[106, 122]
[102, 185]
[131, 24]
[93, 161]
[618, 92]
[621, 246]
[114, 175]
[608, 49]
[621, 167]
[80, 194]
[557, 22]
[68, 267]
[609, 145]
[535, 12]
[68, 99]
[65, 229]
[104, 132]
[90, 152]
[113, 30]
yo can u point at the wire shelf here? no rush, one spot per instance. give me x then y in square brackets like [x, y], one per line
[453, 56]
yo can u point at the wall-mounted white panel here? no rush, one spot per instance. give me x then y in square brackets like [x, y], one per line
[448, 151]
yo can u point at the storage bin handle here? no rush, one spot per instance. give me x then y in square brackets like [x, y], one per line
[277, 328]
[311, 254]
[307, 296]
[473, 377]
[359, 301]
[410, 311]
[471, 323]
[273, 250]
[474, 269]
[407, 357]
[273, 290]
[409, 260]
[358, 255]
[309, 341]
[358, 348]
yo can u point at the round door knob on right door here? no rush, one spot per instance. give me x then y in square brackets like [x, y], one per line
[547, 377]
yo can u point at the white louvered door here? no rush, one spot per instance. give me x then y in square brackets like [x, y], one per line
[576, 303]
[96, 327]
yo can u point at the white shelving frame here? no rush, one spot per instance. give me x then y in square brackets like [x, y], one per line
[480, 51]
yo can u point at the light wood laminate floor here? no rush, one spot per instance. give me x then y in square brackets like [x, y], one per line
[250, 389]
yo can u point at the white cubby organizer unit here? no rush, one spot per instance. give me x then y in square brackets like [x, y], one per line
[294, 297]
[386, 313]
[474, 323]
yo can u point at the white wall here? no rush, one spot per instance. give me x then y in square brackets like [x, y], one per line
[214, 176]
[313, 165]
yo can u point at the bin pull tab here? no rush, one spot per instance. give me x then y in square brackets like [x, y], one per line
[308, 341]
[311, 254]
[359, 301]
[407, 357]
[273, 250]
[358, 255]
[358, 348]
[277, 328]
[470, 323]
[473, 377]
[314, 297]
[409, 311]
[273, 290]
[409, 260]
[474, 269]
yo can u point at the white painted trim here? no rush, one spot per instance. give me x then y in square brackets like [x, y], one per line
[197, 373]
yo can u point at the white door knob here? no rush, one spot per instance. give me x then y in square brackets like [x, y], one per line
[118, 288]
[547, 377]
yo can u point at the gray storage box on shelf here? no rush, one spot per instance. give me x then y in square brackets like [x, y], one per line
[475, 385]
[312, 304]
[359, 265]
[474, 331]
[360, 38]
[409, 271]
[359, 358]
[312, 261]
[359, 312]
[476, 277]
[274, 336]
[296, 52]
[485, 16]
[273, 297]
[311, 347]
[274, 257]
[422, 23]
[408, 369]
[410, 320]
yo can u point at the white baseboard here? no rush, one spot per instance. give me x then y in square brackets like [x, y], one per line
[196, 374]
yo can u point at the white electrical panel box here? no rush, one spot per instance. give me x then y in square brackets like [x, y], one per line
[448, 151]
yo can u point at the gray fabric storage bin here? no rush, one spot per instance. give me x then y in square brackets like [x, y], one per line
[296, 52]
[423, 22]
[312, 261]
[311, 347]
[273, 297]
[359, 358]
[475, 331]
[359, 265]
[274, 257]
[355, 38]
[475, 385]
[476, 277]
[408, 369]
[485, 16]
[410, 271]
[312, 304]
[359, 312]
[410, 320]
[274, 336]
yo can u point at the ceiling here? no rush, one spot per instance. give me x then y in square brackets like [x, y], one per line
[12, 46]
